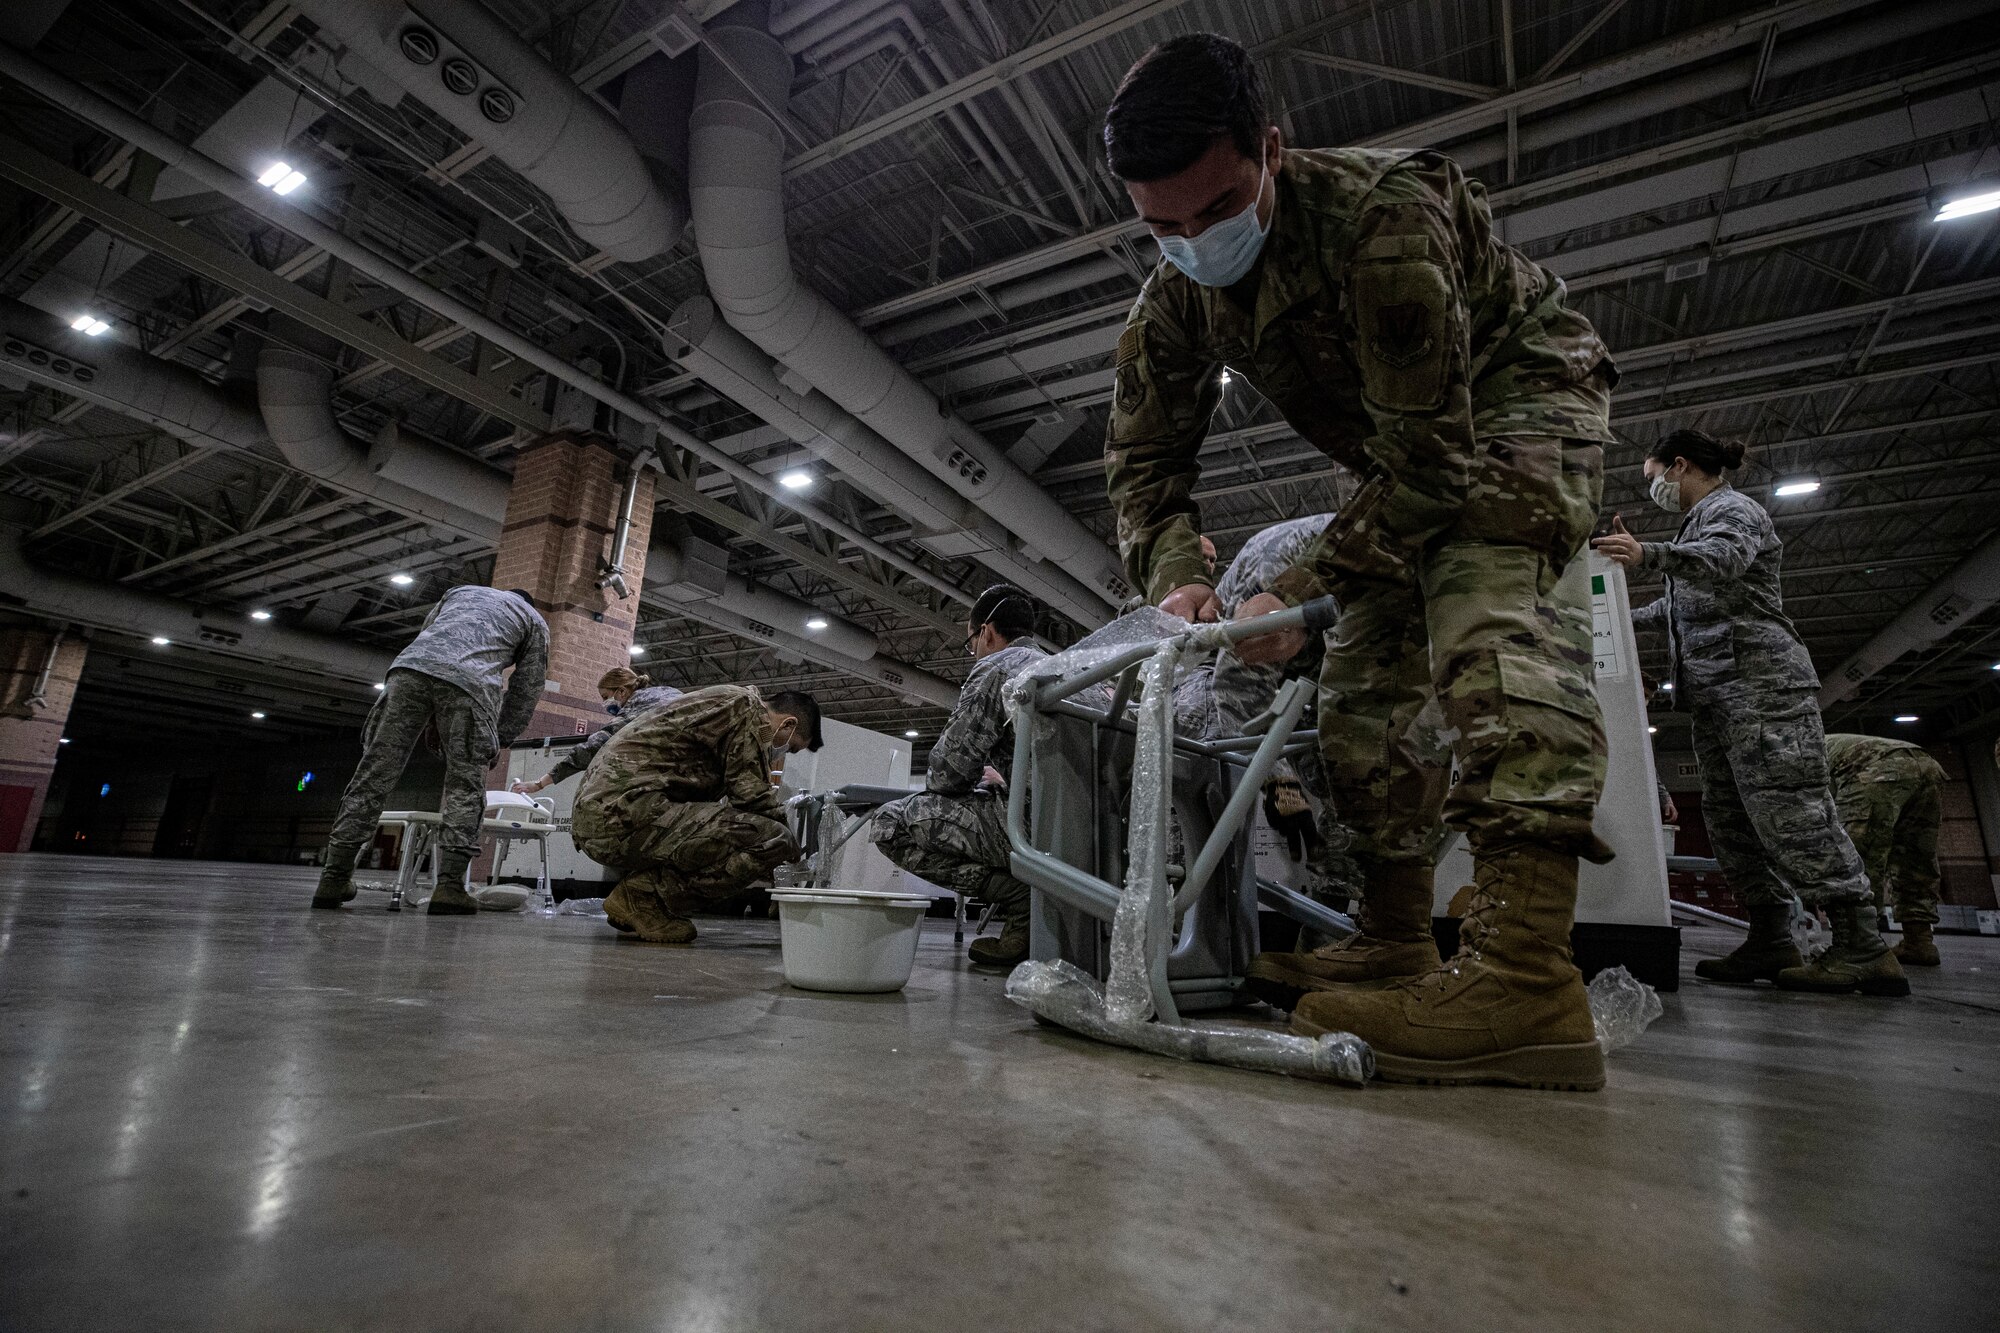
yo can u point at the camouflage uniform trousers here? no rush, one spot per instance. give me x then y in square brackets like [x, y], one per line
[1767, 801]
[410, 701]
[1461, 600]
[956, 842]
[1892, 812]
[689, 853]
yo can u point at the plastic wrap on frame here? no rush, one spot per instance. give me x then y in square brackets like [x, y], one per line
[1621, 1007]
[1128, 992]
[1064, 994]
[838, 835]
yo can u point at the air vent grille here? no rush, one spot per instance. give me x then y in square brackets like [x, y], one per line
[419, 45]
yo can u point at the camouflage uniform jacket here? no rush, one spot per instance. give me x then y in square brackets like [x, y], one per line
[580, 755]
[711, 745]
[1854, 759]
[978, 732]
[1724, 619]
[470, 639]
[1383, 320]
[1267, 554]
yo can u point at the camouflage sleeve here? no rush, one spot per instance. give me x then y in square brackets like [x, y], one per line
[581, 754]
[1723, 549]
[958, 759]
[1653, 615]
[1164, 393]
[1409, 312]
[746, 767]
[524, 689]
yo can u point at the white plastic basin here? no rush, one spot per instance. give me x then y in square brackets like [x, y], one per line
[853, 940]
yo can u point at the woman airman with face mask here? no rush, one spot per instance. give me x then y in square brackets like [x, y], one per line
[1739, 666]
[626, 694]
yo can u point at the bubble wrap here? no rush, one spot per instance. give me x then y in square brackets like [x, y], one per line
[1621, 1007]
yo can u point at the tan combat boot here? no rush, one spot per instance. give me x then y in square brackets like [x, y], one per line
[1858, 959]
[637, 910]
[450, 897]
[1011, 899]
[1918, 949]
[1509, 1007]
[336, 883]
[1394, 942]
[1768, 951]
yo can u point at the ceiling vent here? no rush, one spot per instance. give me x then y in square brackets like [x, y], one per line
[45, 362]
[1681, 270]
[497, 105]
[419, 45]
[460, 75]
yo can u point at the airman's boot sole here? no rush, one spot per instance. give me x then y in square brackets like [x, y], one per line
[639, 915]
[998, 951]
[1281, 980]
[1567, 1067]
[451, 900]
[1874, 983]
[1729, 971]
[334, 896]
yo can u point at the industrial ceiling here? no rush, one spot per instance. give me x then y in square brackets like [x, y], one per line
[1741, 197]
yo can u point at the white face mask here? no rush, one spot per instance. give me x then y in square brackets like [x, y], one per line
[1224, 253]
[1667, 493]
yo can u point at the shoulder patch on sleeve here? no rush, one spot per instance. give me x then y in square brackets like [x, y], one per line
[1396, 247]
[1132, 342]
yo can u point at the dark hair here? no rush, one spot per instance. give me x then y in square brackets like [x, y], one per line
[1006, 608]
[1699, 448]
[1177, 100]
[523, 594]
[799, 704]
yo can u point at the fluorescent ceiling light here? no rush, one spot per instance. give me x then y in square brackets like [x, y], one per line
[818, 623]
[1968, 204]
[63, 741]
[1652, 731]
[637, 650]
[161, 640]
[90, 325]
[1667, 685]
[258, 716]
[280, 178]
[260, 614]
[796, 480]
[380, 686]
[911, 733]
[402, 580]
[1803, 486]
[1906, 717]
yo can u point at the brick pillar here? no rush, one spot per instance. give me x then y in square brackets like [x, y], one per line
[30, 734]
[562, 516]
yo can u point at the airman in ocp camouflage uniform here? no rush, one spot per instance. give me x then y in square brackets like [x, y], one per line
[453, 676]
[1389, 326]
[681, 801]
[1891, 799]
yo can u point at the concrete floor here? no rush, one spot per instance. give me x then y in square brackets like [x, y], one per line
[219, 1110]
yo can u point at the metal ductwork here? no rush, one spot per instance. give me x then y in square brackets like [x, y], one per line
[459, 61]
[83, 601]
[295, 396]
[1971, 587]
[767, 606]
[736, 156]
[168, 397]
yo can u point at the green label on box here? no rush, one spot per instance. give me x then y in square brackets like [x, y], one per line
[1597, 585]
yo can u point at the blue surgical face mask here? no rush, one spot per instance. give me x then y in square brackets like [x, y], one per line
[1224, 253]
[613, 707]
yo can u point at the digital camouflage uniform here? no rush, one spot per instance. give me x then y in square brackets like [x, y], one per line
[1738, 666]
[1393, 331]
[1891, 800]
[580, 755]
[453, 673]
[952, 833]
[681, 800]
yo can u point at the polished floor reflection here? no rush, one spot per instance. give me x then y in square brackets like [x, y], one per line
[219, 1110]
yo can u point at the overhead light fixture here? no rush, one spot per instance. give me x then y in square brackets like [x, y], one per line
[280, 178]
[1996, 666]
[1227, 379]
[62, 740]
[402, 580]
[1803, 486]
[161, 640]
[1652, 731]
[637, 650]
[90, 325]
[1667, 686]
[1906, 717]
[380, 686]
[1965, 205]
[258, 716]
[796, 480]
[260, 614]
[911, 733]
[818, 623]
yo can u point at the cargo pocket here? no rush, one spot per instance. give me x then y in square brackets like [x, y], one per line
[1553, 749]
[1402, 322]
